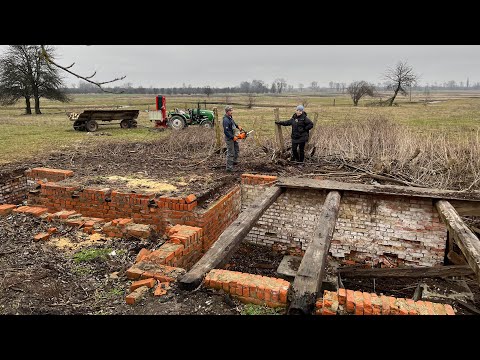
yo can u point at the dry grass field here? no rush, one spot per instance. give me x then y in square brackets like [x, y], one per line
[445, 130]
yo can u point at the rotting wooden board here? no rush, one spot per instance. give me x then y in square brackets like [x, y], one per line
[308, 280]
[464, 237]
[418, 272]
[377, 189]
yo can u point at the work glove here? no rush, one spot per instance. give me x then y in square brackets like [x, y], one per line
[235, 138]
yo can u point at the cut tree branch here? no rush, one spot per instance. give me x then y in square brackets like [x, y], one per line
[86, 78]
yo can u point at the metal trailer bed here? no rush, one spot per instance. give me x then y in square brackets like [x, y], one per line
[89, 120]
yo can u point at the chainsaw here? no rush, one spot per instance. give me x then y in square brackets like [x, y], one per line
[243, 134]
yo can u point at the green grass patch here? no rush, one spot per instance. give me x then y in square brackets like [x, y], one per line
[88, 255]
[253, 309]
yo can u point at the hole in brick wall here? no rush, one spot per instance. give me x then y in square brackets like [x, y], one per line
[255, 259]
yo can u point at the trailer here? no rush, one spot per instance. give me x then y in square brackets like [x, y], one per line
[89, 120]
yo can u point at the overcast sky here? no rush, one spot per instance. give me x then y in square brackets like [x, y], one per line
[228, 65]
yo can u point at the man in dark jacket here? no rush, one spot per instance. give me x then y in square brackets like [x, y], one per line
[229, 126]
[301, 125]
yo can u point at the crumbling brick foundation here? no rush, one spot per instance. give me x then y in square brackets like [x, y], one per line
[371, 228]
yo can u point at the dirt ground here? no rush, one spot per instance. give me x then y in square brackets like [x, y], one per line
[82, 275]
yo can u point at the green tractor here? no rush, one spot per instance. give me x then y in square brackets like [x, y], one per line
[179, 119]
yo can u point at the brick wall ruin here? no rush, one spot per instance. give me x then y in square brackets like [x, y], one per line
[13, 187]
[370, 228]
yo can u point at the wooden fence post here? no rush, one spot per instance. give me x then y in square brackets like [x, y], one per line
[216, 122]
[278, 131]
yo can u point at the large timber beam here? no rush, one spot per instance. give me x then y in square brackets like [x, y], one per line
[408, 191]
[230, 239]
[463, 236]
[308, 280]
[406, 272]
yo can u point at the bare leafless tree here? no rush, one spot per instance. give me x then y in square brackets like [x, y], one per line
[399, 79]
[25, 73]
[359, 89]
[46, 54]
[280, 84]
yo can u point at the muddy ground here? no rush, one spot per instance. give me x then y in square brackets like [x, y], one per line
[82, 275]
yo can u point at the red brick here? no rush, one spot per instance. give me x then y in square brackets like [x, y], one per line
[358, 302]
[159, 291]
[385, 305]
[52, 230]
[350, 301]
[41, 236]
[412, 309]
[439, 309]
[190, 198]
[429, 307]
[142, 253]
[147, 282]
[367, 303]
[6, 209]
[449, 310]
[376, 304]
[136, 295]
[342, 296]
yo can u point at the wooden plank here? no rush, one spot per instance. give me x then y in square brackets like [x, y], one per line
[230, 239]
[308, 280]
[456, 258]
[218, 140]
[466, 208]
[463, 236]
[410, 191]
[407, 272]
[278, 131]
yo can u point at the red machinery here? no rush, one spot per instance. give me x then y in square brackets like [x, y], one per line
[160, 114]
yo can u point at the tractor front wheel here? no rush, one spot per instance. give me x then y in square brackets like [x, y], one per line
[177, 122]
[207, 124]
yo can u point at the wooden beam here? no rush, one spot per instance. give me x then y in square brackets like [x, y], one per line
[230, 239]
[407, 272]
[308, 280]
[466, 208]
[463, 236]
[410, 191]
[218, 131]
[278, 131]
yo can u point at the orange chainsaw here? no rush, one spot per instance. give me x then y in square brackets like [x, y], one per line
[243, 135]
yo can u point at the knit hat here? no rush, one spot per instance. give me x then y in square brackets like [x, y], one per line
[300, 107]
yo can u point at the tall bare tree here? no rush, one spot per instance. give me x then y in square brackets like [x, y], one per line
[26, 73]
[399, 79]
[359, 89]
[280, 84]
[14, 83]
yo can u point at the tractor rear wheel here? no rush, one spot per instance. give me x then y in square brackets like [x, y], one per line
[177, 122]
[92, 125]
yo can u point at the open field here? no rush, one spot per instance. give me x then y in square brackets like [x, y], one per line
[22, 137]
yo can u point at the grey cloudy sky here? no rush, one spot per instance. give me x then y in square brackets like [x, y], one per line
[228, 65]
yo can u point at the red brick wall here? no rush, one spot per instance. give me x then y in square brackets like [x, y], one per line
[48, 174]
[362, 303]
[249, 288]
